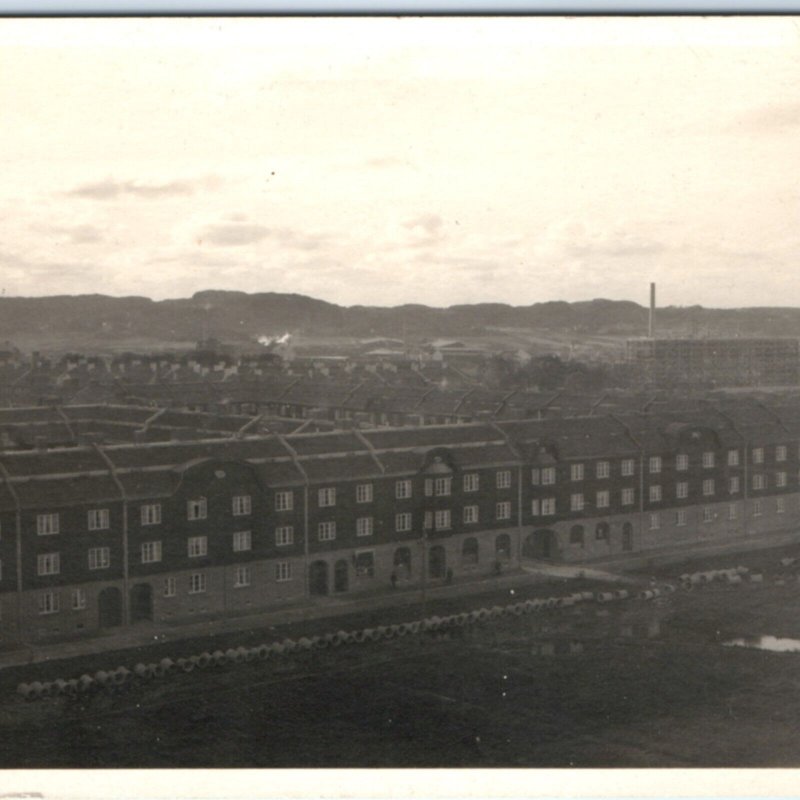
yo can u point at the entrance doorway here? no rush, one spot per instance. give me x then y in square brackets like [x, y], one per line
[437, 561]
[318, 577]
[540, 544]
[341, 577]
[109, 607]
[141, 602]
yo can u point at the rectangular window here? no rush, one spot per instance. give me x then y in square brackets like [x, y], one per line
[680, 517]
[603, 499]
[780, 505]
[780, 452]
[197, 509]
[757, 508]
[602, 469]
[402, 489]
[428, 520]
[548, 506]
[283, 571]
[364, 493]
[576, 472]
[536, 476]
[733, 484]
[759, 481]
[284, 501]
[365, 564]
[654, 465]
[708, 487]
[242, 541]
[442, 486]
[548, 476]
[682, 462]
[708, 514]
[733, 458]
[170, 587]
[780, 479]
[628, 467]
[284, 534]
[536, 509]
[682, 490]
[326, 498]
[197, 582]
[326, 531]
[150, 514]
[242, 577]
[99, 557]
[49, 602]
[441, 520]
[503, 479]
[470, 514]
[503, 510]
[708, 459]
[733, 511]
[402, 522]
[47, 524]
[471, 482]
[242, 505]
[576, 502]
[197, 546]
[151, 552]
[78, 599]
[364, 526]
[98, 519]
[758, 455]
[655, 522]
[628, 497]
[655, 494]
[48, 564]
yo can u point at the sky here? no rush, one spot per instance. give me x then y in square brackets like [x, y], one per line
[387, 161]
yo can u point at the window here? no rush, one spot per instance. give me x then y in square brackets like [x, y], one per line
[402, 489]
[365, 564]
[758, 455]
[197, 582]
[628, 497]
[708, 459]
[284, 534]
[548, 506]
[602, 469]
[283, 571]
[441, 520]
[197, 509]
[469, 552]
[576, 535]
[780, 505]
[242, 505]
[470, 514]
[655, 522]
[548, 476]
[733, 511]
[576, 472]
[98, 519]
[708, 514]
[655, 465]
[242, 577]
[402, 522]
[733, 484]
[48, 564]
[46, 524]
[536, 508]
[326, 498]
[471, 481]
[326, 531]
[49, 602]
[364, 493]
[733, 458]
[780, 452]
[150, 514]
[441, 486]
[759, 481]
[655, 494]
[681, 462]
[603, 499]
[780, 479]
[628, 467]
[682, 490]
[364, 526]
[428, 521]
[99, 557]
[708, 487]
[78, 599]
[170, 587]
[503, 510]
[242, 541]
[284, 501]
[503, 479]
[680, 517]
[197, 546]
[602, 531]
[576, 502]
[151, 552]
[757, 508]
[536, 476]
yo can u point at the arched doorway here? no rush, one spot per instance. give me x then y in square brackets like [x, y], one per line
[109, 607]
[341, 576]
[602, 532]
[318, 577]
[437, 561]
[502, 547]
[469, 552]
[627, 537]
[402, 563]
[576, 535]
[540, 544]
[141, 602]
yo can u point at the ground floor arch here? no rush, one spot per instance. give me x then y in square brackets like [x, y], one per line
[318, 578]
[540, 544]
[109, 607]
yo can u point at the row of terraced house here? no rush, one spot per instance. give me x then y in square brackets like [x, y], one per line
[97, 536]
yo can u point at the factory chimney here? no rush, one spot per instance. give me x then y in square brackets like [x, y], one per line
[652, 324]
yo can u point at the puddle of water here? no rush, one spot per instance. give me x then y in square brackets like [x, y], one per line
[771, 643]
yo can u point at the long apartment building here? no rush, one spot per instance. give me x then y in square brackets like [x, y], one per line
[98, 536]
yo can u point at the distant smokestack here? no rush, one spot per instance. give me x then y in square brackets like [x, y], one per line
[652, 324]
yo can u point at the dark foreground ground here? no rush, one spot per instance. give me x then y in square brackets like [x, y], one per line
[652, 686]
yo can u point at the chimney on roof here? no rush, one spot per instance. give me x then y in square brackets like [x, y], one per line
[652, 322]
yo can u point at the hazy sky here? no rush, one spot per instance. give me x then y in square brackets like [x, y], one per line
[391, 161]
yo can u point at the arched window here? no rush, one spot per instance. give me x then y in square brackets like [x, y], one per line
[602, 531]
[469, 552]
[502, 547]
[576, 535]
[402, 562]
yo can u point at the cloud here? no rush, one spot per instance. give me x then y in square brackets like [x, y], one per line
[776, 118]
[110, 189]
[240, 232]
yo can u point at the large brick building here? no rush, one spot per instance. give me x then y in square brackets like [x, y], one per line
[97, 536]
